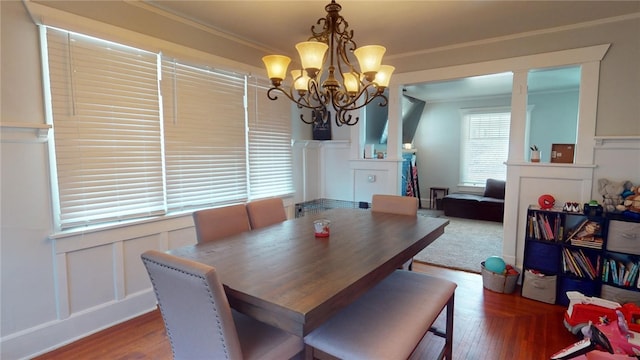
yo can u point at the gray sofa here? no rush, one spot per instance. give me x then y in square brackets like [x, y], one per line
[488, 206]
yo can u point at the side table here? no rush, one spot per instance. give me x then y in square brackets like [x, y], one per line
[433, 196]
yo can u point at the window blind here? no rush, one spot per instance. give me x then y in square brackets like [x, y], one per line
[107, 135]
[270, 156]
[205, 146]
[485, 146]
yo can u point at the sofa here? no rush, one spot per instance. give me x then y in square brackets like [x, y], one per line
[487, 206]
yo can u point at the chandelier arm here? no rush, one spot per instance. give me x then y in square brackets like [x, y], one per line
[305, 121]
[301, 102]
[351, 103]
[274, 95]
[343, 117]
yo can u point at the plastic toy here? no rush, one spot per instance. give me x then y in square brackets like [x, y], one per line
[610, 330]
[597, 344]
[495, 264]
[583, 309]
[546, 201]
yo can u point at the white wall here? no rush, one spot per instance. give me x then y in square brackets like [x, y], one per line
[54, 291]
[437, 141]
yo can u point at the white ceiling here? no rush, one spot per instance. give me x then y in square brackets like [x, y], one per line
[404, 27]
[401, 26]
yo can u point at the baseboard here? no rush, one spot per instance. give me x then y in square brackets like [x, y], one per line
[52, 335]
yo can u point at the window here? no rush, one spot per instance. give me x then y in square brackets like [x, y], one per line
[204, 136]
[484, 145]
[137, 135]
[107, 134]
[270, 158]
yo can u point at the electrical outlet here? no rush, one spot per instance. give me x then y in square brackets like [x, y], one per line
[371, 178]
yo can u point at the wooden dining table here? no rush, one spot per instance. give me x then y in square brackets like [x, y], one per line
[287, 277]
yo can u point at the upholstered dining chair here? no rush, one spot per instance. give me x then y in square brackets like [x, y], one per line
[395, 204]
[266, 212]
[216, 223]
[199, 321]
[389, 321]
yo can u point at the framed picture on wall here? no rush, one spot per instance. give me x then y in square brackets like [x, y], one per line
[321, 129]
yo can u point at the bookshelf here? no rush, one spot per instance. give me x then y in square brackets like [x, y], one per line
[596, 255]
[621, 261]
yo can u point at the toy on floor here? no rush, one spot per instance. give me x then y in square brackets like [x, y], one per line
[610, 330]
[596, 345]
[584, 309]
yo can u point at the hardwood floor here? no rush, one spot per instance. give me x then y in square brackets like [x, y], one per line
[487, 325]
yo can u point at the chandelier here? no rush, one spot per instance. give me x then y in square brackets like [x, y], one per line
[341, 86]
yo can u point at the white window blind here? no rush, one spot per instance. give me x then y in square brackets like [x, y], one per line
[485, 145]
[107, 133]
[270, 157]
[205, 146]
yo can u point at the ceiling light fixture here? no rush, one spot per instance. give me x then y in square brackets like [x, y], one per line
[318, 89]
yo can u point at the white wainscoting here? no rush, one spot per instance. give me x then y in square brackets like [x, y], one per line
[100, 280]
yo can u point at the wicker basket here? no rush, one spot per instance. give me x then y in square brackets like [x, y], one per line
[500, 283]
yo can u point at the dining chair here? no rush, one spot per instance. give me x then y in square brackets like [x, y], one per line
[217, 223]
[395, 204]
[389, 321]
[200, 323]
[266, 212]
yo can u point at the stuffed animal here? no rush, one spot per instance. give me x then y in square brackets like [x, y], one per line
[611, 192]
[632, 202]
[629, 189]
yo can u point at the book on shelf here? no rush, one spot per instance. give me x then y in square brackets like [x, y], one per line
[605, 270]
[586, 234]
[541, 228]
[621, 273]
[576, 229]
[592, 242]
[577, 263]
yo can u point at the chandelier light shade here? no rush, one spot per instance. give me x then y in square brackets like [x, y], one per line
[277, 68]
[328, 78]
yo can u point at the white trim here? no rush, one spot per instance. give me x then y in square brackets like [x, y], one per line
[617, 142]
[517, 36]
[86, 238]
[158, 9]
[24, 132]
[550, 59]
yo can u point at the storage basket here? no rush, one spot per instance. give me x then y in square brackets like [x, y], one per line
[501, 283]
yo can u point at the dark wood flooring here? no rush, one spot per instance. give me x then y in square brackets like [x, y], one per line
[487, 325]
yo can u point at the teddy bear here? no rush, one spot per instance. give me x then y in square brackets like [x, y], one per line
[611, 192]
[632, 202]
